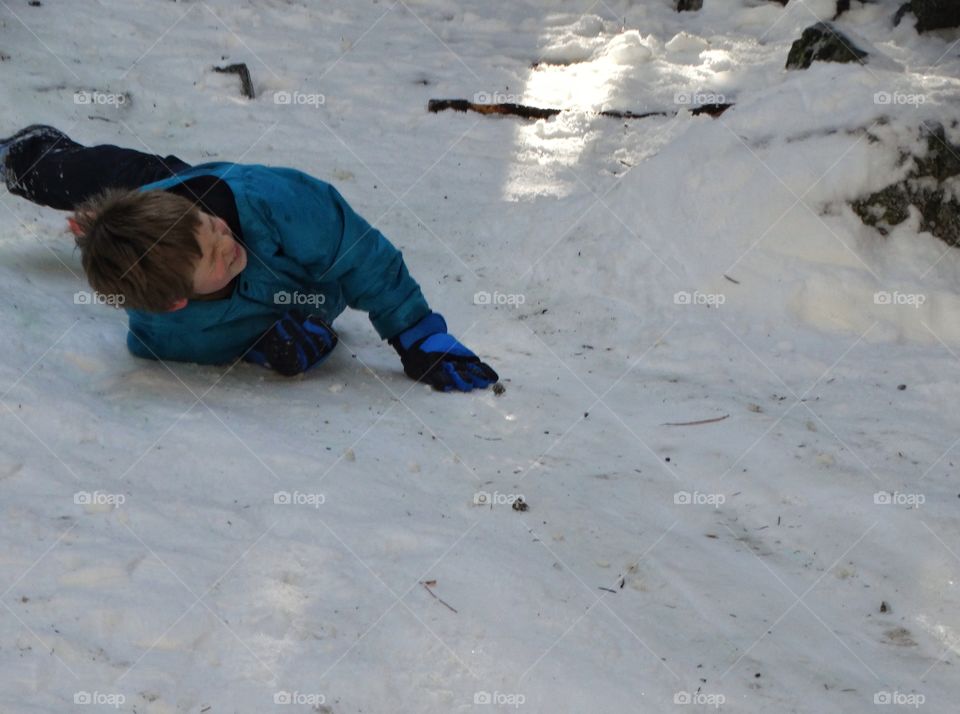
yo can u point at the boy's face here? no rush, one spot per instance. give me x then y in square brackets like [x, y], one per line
[223, 256]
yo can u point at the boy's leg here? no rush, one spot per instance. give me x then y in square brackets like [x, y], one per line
[49, 168]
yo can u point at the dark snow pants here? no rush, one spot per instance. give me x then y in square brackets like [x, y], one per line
[53, 170]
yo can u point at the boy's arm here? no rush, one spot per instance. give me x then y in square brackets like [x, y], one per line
[292, 344]
[320, 230]
[374, 278]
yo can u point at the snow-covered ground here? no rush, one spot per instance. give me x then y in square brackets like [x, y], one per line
[798, 555]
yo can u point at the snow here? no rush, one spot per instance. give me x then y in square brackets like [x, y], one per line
[670, 269]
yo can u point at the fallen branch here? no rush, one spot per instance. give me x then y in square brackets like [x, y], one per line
[695, 423]
[528, 112]
[246, 84]
[426, 584]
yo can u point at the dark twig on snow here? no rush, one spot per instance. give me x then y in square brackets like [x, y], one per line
[695, 423]
[427, 584]
[528, 112]
[246, 84]
[464, 105]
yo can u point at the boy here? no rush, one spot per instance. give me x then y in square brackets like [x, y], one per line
[209, 260]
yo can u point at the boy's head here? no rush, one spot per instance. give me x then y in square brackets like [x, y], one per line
[156, 249]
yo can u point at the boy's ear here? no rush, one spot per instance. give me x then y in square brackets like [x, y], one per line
[73, 223]
[178, 305]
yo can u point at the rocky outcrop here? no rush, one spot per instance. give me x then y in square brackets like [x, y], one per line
[932, 14]
[823, 43]
[932, 187]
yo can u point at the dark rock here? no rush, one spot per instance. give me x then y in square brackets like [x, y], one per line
[901, 11]
[942, 160]
[925, 188]
[823, 43]
[844, 5]
[246, 83]
[689, 5]
[932, 14]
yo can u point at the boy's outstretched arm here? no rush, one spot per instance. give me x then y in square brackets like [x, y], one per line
[429, 354]
[374, 278]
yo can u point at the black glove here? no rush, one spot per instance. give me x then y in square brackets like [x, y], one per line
[432, 356]
[294, 344]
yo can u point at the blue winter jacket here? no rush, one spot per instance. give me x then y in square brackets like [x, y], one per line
[306, 249]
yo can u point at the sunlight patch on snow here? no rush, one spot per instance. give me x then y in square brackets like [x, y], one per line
[580, 73]
[947, 636]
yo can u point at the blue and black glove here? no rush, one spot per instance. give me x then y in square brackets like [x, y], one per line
[294, 344]
[432, 356]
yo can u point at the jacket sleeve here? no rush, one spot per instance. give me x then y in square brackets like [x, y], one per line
[221, 343]
[319, 229]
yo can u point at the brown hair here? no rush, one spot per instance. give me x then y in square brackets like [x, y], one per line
[139, 244]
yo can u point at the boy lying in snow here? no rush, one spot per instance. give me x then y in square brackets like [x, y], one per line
[208, 260]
